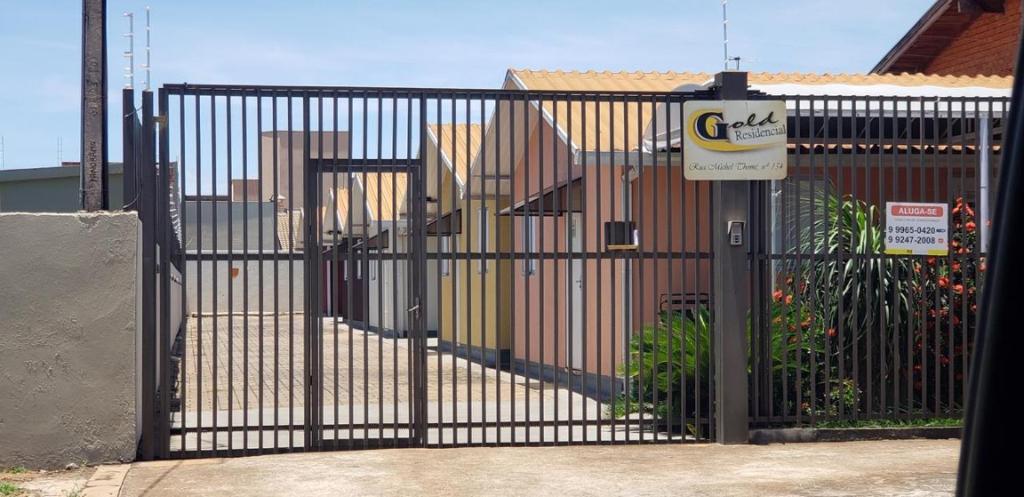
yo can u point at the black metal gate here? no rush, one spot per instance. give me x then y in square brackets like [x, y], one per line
[374, 267]
[335, 268]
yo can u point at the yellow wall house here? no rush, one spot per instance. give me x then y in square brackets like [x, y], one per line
[475, 318]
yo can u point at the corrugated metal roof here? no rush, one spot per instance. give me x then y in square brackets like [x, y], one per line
[618, 126]
[666, 81]
[385, 195]
[453, 143]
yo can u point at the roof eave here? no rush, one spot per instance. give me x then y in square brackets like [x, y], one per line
[922, 24]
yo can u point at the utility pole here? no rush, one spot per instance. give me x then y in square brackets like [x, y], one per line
[94, 195]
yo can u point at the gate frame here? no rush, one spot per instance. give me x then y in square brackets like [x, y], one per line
[156, 377]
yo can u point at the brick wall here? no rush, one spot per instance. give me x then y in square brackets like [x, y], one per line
[987, 47]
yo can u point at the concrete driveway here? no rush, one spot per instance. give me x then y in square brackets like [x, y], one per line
[248, 371]
[918, 468]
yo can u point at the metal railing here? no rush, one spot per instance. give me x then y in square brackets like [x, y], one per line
[842, 330]
[387, 267]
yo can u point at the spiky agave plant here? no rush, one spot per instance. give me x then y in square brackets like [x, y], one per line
[855, 287]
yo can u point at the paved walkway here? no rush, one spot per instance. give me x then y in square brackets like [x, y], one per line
[919, 468]
[254, 379]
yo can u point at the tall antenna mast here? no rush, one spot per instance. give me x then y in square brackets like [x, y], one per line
[3, 151]
[147, 48]
[129, 55]
[60, 151]
[725, 36]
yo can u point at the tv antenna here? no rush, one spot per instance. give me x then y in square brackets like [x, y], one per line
[147, 48]
[129, 55]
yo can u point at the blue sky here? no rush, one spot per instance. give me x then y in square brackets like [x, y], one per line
[410, 43]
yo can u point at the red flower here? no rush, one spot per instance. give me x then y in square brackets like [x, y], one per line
[777, 295]
[943, 281]
[958, 289]
[789, 299]
[931, 261]
[831, 332]
[970, 226]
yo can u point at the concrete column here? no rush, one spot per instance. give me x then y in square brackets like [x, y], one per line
[94, 194]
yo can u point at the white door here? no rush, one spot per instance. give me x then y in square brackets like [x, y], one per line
[575, 283]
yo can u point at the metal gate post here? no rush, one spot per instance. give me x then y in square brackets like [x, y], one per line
[163, 234]
[311, 292]
[147, 214]
[419, 187]
[732, 289]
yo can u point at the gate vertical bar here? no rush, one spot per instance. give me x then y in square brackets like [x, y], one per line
[731, 282]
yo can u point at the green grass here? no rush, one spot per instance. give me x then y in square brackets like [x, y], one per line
[17, 470]
[7, 488]
[892, 423]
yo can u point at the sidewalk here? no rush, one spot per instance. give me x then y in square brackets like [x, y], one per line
[889, 468]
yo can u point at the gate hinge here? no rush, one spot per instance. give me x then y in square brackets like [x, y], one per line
[160, 120]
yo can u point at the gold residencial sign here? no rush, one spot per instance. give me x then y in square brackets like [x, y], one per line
[734, 139]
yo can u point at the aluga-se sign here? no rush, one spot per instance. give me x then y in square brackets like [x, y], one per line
[734, 140]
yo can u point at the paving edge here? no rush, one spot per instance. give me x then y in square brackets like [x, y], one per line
[806, 435]
[106, 481]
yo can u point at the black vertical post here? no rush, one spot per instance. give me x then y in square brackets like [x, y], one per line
[129, 177]
[94, 195]
[311, 300]
[731, 201]
[419, 284]
[163, 201]
[147, 209]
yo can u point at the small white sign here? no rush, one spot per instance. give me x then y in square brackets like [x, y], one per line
[914, 228]
[734, 139]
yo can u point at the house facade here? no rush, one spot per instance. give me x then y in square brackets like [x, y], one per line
[579, 170]
[473, 287]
